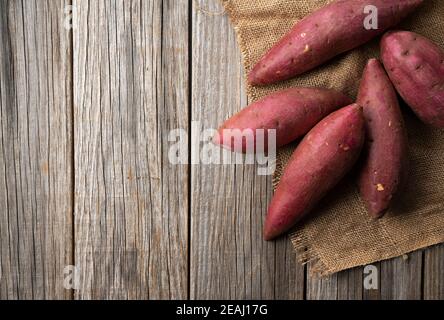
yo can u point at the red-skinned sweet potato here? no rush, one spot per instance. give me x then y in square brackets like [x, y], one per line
[416, 67]
[292, 113]
[326, 33]
[320, 161]
[386, 152]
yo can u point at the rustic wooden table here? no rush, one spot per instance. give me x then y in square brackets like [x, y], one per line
[90, 205]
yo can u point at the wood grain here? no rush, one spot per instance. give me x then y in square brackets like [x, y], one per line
[401, 278]
[345, 285]
[322, 288]
[229, 259]
[350, 284]
[131, 204]
[35, 150]
[434, 273]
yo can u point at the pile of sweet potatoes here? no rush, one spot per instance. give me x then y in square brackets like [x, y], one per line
[338, 134]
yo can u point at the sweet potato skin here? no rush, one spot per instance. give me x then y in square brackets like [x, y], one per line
[416, 67]
[326, 33]
[320, 161]
[385, 158]
[291, 112]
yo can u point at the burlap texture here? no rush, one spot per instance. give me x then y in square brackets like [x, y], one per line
[340, 235]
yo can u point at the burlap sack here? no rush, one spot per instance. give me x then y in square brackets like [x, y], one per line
[340, 235]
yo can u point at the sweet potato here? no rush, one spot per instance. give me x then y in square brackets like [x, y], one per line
[326, 33]
[320, 161]
[416, 67]
[292, 113]
[386, 153]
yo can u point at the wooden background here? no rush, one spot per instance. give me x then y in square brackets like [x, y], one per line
[85, 178]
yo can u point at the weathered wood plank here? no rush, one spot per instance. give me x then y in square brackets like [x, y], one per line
[35, 150]
[131, 204]
[350, 284]
[229, 259]
[346, 285]
[434, 273]
[401, 278]
[322, 288]
[290, 279]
